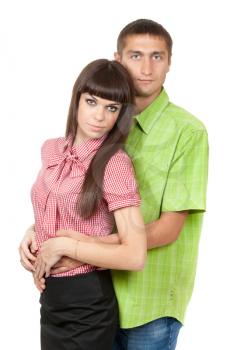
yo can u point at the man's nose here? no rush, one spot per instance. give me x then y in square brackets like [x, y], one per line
[146, 67]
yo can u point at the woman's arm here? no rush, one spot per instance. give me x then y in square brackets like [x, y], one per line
[128, 254]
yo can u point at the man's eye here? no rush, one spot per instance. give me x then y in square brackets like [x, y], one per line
[90, 102]
[135, 56]
[157, 57]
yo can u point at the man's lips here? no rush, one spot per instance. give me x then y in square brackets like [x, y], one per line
[145, 80]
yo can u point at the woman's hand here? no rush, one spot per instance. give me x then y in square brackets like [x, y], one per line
[27, 249]
[51, 252]
[65, 263]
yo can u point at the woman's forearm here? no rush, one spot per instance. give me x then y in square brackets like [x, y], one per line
[129, 253]
[110, 239]
[112, 256]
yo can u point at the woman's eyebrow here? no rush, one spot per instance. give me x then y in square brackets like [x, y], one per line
[114, 104]
[109, 104]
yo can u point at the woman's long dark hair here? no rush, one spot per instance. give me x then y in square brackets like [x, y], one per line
[109, 80]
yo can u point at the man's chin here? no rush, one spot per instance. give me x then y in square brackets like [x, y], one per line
[142, 93]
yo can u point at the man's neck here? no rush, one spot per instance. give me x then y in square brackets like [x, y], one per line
[143, 102]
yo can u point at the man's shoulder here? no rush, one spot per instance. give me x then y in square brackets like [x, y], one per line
[183, 118]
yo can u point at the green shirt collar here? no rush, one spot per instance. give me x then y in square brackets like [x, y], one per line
[149, 116]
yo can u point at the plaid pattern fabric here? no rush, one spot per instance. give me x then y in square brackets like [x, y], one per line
[55, 192]
[169, 149]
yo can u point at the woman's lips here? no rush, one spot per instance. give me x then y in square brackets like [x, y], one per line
[96, 127]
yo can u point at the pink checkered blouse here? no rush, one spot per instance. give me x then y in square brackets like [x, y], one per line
[54, 194]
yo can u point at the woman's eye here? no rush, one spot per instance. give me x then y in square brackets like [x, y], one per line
[90, 102]
[112, 109]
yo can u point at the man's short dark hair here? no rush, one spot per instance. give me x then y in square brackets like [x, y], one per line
[144, 26]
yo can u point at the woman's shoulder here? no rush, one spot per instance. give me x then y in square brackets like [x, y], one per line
[55, 142]
[120, 160]
[120, 186]
[121, 155]
[52, 147]
[119, 166]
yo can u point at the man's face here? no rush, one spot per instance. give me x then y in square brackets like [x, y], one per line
[147, 60]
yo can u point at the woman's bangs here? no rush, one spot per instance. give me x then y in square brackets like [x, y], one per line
[109, 89]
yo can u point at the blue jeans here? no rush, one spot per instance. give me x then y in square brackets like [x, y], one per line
[160, 334]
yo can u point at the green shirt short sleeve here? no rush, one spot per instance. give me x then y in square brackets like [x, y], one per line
[187, 177]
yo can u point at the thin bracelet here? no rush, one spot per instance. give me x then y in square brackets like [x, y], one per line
[76, 250]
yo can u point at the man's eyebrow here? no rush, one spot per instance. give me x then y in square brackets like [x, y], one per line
[137, 52]
[158, 52]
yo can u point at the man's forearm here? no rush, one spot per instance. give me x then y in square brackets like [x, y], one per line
[160, 232]
[166, 229]
[157, 236]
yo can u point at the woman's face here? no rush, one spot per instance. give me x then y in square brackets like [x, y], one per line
[95, 116]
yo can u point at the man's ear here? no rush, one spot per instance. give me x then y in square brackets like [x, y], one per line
[117, 57]
[169, 62]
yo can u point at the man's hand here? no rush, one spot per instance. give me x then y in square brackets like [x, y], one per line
[39, 283]
[27, 249]
[65, 264]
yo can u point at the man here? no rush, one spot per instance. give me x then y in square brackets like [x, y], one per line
[169, 149]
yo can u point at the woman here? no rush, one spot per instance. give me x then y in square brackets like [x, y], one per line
[85, 185]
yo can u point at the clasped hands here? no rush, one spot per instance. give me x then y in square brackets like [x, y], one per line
[50, 260]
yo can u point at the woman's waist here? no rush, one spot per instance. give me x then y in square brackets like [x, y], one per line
[83, 269]
[43, 234]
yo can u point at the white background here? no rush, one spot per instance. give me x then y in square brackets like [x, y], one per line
[43, 47]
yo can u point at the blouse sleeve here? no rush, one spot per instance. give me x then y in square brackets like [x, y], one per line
[119, 186]
[52, 151]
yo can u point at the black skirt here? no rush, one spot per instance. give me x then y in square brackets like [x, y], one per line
[79, 312]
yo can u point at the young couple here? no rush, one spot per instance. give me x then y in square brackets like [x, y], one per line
[87, 183]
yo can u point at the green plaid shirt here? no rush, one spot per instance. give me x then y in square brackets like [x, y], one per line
[169, 150]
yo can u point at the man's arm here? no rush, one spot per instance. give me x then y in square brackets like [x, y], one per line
[27, 249]
[166, 229]
[160, 232]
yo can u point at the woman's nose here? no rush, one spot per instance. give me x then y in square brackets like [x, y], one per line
[99, 114]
